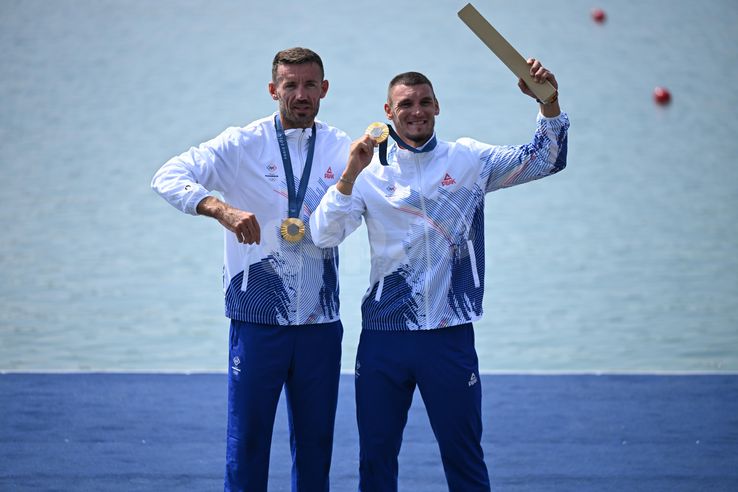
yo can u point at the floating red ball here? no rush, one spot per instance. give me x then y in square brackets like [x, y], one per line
[661, 95]
[598, 15]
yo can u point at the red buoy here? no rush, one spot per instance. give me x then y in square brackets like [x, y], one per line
[661, 95]
[598, 15]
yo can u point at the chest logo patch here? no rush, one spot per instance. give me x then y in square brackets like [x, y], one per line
[329, 174]
[447, 180]
[271, 171]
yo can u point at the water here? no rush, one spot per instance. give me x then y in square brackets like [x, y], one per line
[626, 261]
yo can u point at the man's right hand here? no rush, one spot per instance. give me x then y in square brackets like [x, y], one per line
[360, 155]
[243, 224]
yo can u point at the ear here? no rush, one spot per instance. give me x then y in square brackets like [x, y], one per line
[273, 91]
[438, 107]
[388, 111]
[323, 89]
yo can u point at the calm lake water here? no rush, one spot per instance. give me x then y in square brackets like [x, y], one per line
[626, 261]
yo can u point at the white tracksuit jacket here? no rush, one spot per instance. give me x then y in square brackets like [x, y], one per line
[425, 218]
[275, 282]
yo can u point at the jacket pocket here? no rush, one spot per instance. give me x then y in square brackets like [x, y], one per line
[248, 255]
[473, 260]
[378, 295]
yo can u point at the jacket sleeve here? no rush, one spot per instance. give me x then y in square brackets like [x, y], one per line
[505, 166]
[186, 179]
[336, 217]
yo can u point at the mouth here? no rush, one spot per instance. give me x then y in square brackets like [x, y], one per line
[417, 124]
[302, 108]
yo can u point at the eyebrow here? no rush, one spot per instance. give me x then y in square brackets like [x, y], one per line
[422, 100]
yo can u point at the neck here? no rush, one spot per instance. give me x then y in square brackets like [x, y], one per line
[415, 143]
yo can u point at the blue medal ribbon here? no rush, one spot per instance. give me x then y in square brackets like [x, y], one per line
[401, 143]
[294, 200]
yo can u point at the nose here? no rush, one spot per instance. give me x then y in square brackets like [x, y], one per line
[301, 92]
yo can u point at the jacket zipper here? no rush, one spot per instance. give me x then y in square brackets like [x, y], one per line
[299, 214]
[425, 235]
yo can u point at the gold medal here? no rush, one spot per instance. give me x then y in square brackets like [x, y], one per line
[292, 229]
[378, 131]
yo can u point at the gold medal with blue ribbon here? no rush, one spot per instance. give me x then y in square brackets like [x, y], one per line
[293, 228]
[378, 131]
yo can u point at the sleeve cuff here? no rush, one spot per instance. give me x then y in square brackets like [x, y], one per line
[340, 198]
[553, 118]
[195, 198]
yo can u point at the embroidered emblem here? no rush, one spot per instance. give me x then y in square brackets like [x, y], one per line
[271, 172]
[448, 180]
[329, 173]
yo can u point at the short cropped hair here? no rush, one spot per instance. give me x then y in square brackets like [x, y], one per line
[409, 78]
[296, 56]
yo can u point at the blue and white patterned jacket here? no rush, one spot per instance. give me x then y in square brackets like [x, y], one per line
[275, 282]
[424, 213]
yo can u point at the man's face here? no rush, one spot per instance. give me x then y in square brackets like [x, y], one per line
[413, 110]
[299, 89]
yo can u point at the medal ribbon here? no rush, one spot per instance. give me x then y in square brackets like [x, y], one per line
[401, 143]
[294, 201]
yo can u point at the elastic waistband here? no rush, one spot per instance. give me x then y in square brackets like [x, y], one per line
[237, 323]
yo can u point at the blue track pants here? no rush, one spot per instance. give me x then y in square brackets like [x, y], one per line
[306, 361]
[443, 364]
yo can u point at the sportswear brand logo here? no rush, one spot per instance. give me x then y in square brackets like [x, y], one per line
[390, 190]
[236, 363]
[448, 180]
[329, 173]
[473, 380]
[271, 167]
[356, 371]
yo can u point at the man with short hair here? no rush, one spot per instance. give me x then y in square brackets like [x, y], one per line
[423, 203]
[281, 291]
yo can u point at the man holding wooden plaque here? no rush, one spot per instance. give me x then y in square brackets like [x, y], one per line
[423, 202]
